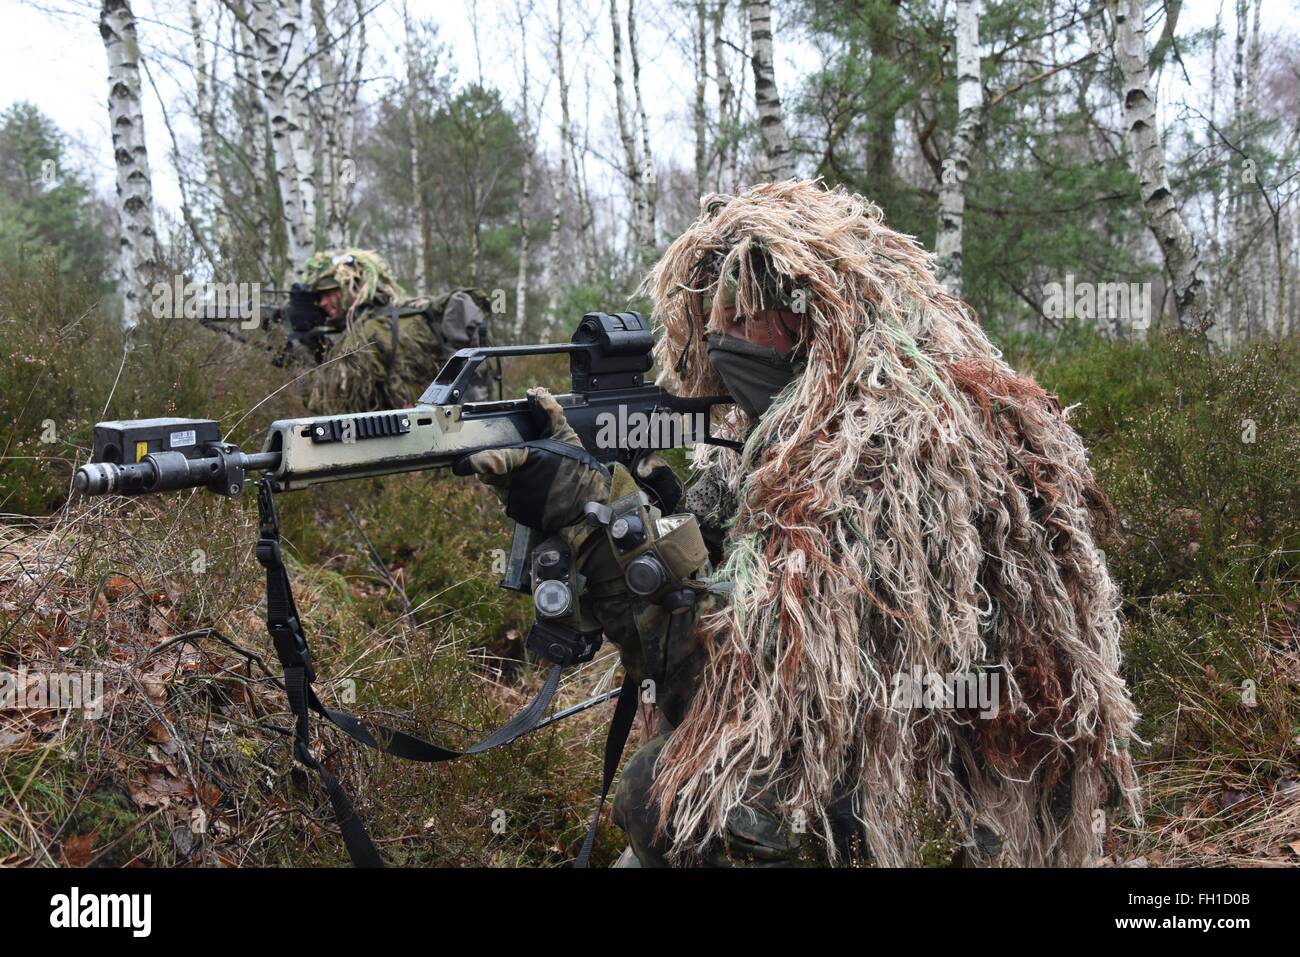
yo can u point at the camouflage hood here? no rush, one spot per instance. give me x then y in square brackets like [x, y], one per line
[908, 506]
[362, 275]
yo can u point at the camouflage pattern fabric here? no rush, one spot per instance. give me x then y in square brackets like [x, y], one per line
[362, 370]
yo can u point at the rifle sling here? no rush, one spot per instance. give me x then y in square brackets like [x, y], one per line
[285, 628]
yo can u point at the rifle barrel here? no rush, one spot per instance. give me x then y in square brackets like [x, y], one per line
[167, 471]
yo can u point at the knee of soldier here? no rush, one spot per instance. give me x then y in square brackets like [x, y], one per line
[634, 811]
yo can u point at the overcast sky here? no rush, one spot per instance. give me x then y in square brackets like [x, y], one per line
[54, 57]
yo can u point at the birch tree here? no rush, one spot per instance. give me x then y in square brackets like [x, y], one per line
[1182, 259]
[646, 171]
[297, 99]
[252, 134]
[561, 178]
[701, 85]
[340, 54]
[206, 116]
[526, 184]
[778, 160]
[728, 106]
[626, 135]
[965, 136]
[273, 58]
[424, 233]
[137, 242]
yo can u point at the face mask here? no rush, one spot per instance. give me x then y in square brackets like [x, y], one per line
[752, 374]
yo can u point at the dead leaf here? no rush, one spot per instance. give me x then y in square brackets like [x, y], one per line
[155, 689]
[158, 790]
[77, 851]
[115, 586]
[157, 732]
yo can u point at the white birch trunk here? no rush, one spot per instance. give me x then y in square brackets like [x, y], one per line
[631, 162]
[779, 161]
[646, 172]
[297, 97]
[1183, 261]
[345, 114]
[137, 241]
[327, 102]
[271, 65]
[728, 142]
[205, 102]
[557, 216]
[956, 167]
[526, 186]
[417, 177]
[701, 84]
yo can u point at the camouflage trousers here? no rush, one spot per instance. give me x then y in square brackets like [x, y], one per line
[755, 836]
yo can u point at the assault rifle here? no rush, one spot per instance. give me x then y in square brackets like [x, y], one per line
[298, 308]
[618, 416]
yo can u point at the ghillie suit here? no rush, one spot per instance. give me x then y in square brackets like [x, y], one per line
[908, 505]
[386, 348]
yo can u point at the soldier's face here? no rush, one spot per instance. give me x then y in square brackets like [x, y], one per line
[332, 302]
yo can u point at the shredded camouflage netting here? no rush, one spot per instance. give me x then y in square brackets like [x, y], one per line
[364, 372]
[909, 505]
[362, 275]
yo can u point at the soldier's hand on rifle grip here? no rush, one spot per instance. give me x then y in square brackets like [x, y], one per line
[656, 476]
[540, 488]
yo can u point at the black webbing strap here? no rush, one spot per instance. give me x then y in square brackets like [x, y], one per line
[394, 319]
[620, 726]
[576, 452]
[285, 628]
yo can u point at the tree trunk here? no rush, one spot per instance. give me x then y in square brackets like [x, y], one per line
[586, 213]
[422, 240]
[728, 102]
[526, 185]
[701, 83]
[632, 163]
[137, 242]
[1237, 308]
[300, 129]
[271, 65]
[327, 102]
[1182, 260]
[557, 216]
[1216, 205]
[345, 113]
[649, 185]
[206, 110]
[779, 161]
[956, 168]
[883, 41]
[254, 134]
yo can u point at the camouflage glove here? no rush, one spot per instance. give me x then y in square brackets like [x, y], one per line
[656, 477]
[540, 488]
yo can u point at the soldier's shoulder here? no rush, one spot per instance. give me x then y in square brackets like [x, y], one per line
[416, 304]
